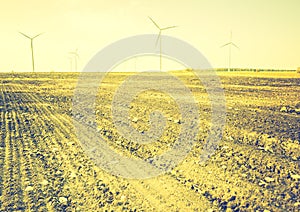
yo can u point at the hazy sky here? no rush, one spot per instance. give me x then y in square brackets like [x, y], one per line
[267, 31]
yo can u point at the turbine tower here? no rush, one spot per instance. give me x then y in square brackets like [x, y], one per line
[75, 56]
[230, 43]
[71, 63]
[159, 38]
[31, 44]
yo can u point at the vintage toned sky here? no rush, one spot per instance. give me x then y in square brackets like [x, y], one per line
[267, 31]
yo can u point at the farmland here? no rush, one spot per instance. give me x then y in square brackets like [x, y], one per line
[256, 166]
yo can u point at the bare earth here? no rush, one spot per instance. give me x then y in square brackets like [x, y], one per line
[256, 166]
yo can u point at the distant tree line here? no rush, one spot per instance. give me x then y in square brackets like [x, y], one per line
[256, 69]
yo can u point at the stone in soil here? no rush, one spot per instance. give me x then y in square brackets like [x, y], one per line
[29, 188]
[63, 200]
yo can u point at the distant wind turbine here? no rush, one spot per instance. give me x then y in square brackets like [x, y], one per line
[230, 43]
[135, 60]
[31, 44]
[159, 38]
[75, 56]
[71, 63]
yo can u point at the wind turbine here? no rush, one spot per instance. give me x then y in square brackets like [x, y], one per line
[135, 60]
[75, 56]
[230, 43]
[31, 44]
[71, 63]
[159, 38]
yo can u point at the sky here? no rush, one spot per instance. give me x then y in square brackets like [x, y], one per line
[267, 32]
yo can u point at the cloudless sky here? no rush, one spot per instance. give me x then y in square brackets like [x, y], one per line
[267, 31]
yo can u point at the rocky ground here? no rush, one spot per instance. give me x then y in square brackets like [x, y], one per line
[255, 167]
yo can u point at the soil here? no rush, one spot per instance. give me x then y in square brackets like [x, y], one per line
[256, 166]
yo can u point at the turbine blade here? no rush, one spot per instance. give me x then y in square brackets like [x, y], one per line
[74, 54]
[225, 45]
[169, 27]
[158, 37]
[154, 22]
[235, 45]
[38, 35]
[25, 35]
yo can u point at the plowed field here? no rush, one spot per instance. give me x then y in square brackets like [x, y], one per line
[256, 166]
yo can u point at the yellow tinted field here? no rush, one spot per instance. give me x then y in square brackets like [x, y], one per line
[256, 166]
